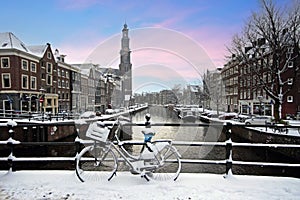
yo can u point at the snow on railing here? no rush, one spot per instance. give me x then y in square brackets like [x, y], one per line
[228, 144]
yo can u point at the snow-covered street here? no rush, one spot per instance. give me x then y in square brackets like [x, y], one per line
[65, 185]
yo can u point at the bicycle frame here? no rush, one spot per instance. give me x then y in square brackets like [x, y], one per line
[151, 163]
[131, 159]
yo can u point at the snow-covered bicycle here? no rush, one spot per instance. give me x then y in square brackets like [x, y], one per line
[158, 160]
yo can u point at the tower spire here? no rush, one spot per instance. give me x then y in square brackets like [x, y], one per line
[125, 66]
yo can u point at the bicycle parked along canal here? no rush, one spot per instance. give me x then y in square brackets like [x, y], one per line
[158, 160]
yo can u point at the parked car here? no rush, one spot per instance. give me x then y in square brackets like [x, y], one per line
[228, 116]
[98, 113]
[110, 111]
[88, 115]
[212, 115]
[242, 118]
[259, 120]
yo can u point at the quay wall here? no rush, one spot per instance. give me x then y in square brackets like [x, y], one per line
[292, 155]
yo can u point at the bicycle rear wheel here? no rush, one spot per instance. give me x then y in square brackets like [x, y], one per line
[96, 163]
[169, 167]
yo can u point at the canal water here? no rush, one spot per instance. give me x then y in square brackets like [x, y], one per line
[160, 114]
[211, 133]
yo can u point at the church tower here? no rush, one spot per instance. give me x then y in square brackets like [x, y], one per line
[125, 68]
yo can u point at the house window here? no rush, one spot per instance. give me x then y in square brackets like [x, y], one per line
[49, 79]
[67, 74]
[290, 64]
[58, 72]
[67, 84]
[33, 82]
[49, 68]
[62, 73]
[48, 55]
[5, 63]
[43, 76]
[290, 81]
[33, 66]
[6, 81]
[24, 81]
[49, 102]
[289, 99]
[59, 83]
[25, 65]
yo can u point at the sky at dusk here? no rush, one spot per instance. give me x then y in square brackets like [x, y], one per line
[184, 37]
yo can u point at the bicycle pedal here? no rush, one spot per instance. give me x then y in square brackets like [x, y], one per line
[146, 177]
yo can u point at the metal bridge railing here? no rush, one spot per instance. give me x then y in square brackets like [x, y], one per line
[228, 145]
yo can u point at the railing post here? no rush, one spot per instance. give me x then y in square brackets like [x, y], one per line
[77, 142]
[228, 127]
[77, 146]
[10, 144]
[25, 134]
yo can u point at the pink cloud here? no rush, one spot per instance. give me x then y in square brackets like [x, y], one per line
[214, 40]
[172, 64]
[165, 47]
[182, 53]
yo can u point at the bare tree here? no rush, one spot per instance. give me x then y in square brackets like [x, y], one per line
[269, 47]
[177, 90]
[214, 90]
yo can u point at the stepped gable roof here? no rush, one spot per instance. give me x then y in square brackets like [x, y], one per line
[9, 41]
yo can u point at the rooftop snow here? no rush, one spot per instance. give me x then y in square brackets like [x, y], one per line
[38, 50]
[9, 41]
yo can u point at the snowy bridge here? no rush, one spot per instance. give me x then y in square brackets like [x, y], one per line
[230, 158]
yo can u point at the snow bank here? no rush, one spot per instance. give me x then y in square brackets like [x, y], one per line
[65, 185]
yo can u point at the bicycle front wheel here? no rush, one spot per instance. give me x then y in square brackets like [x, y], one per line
[168, 165]
[96, 163]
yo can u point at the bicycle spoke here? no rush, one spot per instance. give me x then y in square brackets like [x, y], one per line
[169, 167]
[96, 164]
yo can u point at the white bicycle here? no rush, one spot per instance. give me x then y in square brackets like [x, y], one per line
[158, 160]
